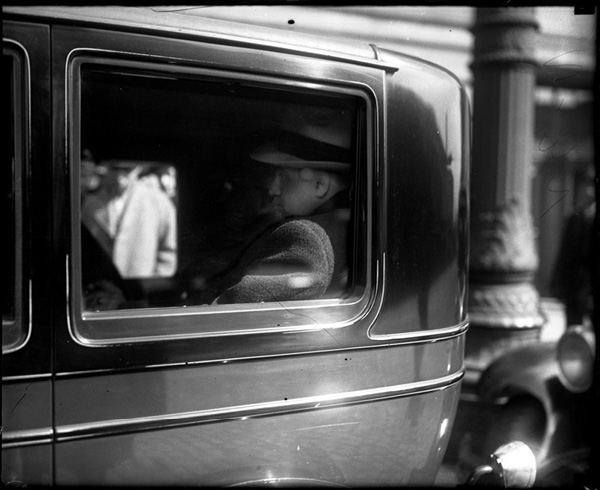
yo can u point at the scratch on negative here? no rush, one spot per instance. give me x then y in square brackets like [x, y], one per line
[327, 425]
[20, 400]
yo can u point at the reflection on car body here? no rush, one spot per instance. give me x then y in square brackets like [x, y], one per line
[243, 353]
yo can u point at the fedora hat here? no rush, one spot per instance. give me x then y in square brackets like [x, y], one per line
[320, 139]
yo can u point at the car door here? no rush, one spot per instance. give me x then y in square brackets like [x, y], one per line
[27, 308]
[161, 387]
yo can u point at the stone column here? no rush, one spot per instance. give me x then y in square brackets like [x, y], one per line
[504, 305]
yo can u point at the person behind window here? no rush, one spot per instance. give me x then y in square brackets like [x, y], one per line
[302, 256]
[135, 223]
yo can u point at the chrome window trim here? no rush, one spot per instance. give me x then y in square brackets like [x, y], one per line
[241, 412]
[183, 311]
[373, 291]
[20, 333]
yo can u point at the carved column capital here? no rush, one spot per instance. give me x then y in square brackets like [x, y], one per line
[504, 35]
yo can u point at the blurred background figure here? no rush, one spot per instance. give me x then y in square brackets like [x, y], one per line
[133, 221]
[572, 275]
[91, 174]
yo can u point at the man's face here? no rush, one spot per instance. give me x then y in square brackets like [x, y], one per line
[294, 191]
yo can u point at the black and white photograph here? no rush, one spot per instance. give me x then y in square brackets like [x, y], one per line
[300, 245]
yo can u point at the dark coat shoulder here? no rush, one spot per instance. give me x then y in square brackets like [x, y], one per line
[293, 261]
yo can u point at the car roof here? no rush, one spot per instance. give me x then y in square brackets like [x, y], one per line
[202, 23]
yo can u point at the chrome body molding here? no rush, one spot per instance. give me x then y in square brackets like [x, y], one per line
[19, 438]
[26, 377]
[241, 412]
[432, 335]
[289, 482]
[410, 338]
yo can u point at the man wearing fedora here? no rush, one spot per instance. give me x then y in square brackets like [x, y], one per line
[303, 255]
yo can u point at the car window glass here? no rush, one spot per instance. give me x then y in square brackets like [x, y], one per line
[206, 191]
[12, 279]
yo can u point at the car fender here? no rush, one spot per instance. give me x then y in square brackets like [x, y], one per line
[530, 374]
[524, 370]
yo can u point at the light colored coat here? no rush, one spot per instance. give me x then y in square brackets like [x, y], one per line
[141, 238]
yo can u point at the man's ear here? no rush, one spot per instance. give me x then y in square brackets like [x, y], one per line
[322, 184]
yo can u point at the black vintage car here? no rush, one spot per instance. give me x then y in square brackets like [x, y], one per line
[115, 374]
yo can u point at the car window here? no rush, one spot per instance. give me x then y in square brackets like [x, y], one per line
[206, 191]
[13, 328]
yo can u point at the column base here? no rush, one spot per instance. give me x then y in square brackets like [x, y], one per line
[502, 317]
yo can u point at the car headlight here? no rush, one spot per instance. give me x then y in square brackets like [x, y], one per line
[575, 354]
